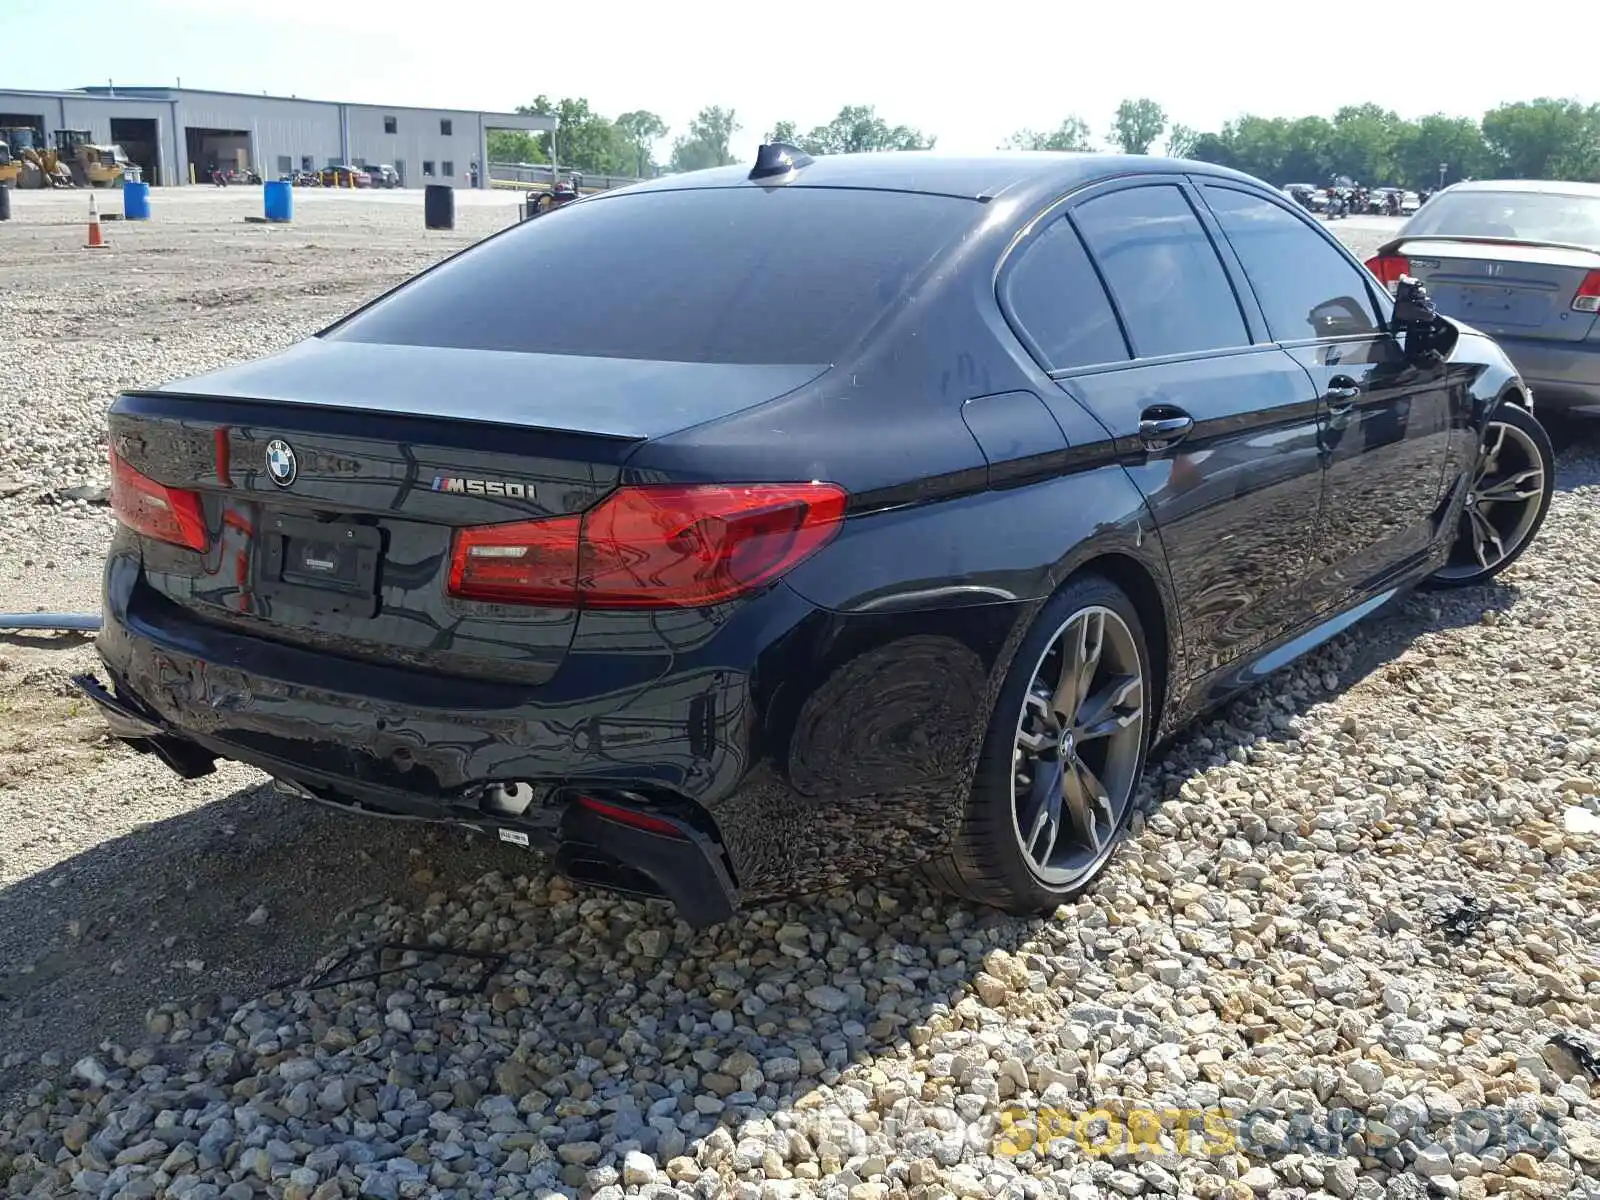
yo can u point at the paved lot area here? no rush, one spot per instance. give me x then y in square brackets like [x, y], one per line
[1364, 893]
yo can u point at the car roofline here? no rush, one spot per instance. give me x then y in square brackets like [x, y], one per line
[975, 198]
[1575, 189]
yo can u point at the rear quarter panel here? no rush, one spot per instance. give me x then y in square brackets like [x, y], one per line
[973, 501]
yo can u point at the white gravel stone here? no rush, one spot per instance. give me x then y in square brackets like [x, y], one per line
[638, 1168]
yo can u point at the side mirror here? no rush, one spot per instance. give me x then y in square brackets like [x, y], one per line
[1428, 336]
[1413, 307]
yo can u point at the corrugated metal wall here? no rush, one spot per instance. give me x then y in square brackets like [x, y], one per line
[284, 134]
[292, 129]
[96, 114]
[418, 140]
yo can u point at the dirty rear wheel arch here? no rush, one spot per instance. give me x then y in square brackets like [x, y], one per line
[991, 860]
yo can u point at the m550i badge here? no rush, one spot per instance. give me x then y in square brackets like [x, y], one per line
[482, 487]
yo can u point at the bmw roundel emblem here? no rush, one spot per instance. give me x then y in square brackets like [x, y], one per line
[281, 464]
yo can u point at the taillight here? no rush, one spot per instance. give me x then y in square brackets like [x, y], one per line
[155, 510]
[1588, 298]
[1388, 268]
[651, 546]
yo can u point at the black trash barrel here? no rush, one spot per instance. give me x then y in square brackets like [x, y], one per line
[439, 206]
[5, 203]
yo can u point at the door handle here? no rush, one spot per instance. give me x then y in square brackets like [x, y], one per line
[1164, 426]
[1342, 394]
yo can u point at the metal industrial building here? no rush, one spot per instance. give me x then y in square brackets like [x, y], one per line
[177, 135]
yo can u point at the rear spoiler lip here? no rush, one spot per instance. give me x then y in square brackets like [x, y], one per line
[153, 400]
[444, 432]
[1394, 244]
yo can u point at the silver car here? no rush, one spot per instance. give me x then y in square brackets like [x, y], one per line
[1518, 260]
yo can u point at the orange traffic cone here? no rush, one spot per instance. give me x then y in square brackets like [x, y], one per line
[96, 241]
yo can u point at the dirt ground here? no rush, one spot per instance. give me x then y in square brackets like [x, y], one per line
[120, 884]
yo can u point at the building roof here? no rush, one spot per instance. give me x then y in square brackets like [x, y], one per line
[121, 92]
[72, 94]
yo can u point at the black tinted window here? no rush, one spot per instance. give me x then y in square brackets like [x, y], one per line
[733, 275]
[1306, 288]
[1163, 271]
[1056, 296]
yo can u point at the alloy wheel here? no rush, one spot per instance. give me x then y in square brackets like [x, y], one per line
[1078, 746]
[1503, 505]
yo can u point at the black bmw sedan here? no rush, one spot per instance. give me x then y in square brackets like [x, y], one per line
[753, 530]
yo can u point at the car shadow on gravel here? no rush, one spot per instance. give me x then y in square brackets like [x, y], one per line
[245, 897]
[211, 906]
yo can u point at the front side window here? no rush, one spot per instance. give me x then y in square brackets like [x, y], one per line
[1055, 295]
[427, 166]
[1306, 288]
[390, 124]
[1163, 271]
[446, 128]
[447, 167]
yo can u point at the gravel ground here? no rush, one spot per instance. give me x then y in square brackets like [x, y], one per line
[1353, 932]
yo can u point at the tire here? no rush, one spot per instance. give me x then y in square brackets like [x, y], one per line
[1493, 533]
[988, 862]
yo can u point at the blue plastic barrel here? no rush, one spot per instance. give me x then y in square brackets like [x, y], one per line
[279, 197]
[135, 201]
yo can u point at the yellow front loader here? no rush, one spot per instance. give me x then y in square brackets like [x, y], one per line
[90, 165]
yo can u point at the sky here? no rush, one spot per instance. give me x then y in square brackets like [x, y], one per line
[972, 75]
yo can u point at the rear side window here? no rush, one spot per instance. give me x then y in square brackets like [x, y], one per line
[727, 275]
[1306, 288]
[1055, 295]
[1163, 271]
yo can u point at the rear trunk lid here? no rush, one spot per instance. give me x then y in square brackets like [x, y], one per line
[333, 476]
[1517, 289]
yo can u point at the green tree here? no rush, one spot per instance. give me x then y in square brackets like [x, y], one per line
[642, 128]
[1305, 152]
[1071, 134]
[1256, 145]
[1213, 148]
[1181, 141]
[583, 138]
[514, 146]
[706, 143]
[1545, 139]
[1363, 142]
[1137, 125]
[1456, 143]
[1272, 148]
[856, 130]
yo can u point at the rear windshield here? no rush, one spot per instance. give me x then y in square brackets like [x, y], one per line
[730, 275]
[1531, 216]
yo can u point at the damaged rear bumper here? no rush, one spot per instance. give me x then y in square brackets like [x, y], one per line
[143, 731]
[612, 840]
